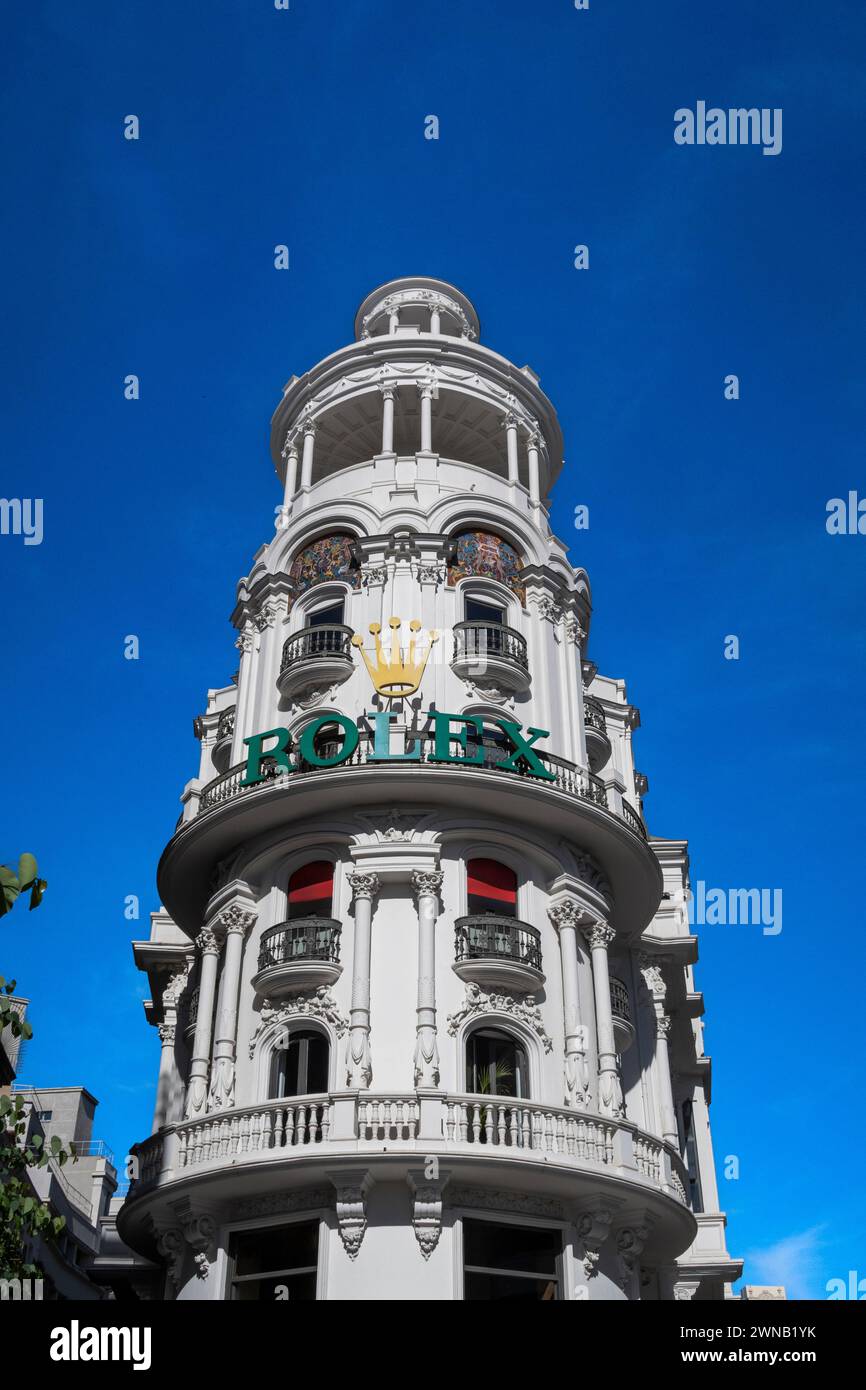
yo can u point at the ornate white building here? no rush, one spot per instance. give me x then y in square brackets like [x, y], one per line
[423, 981]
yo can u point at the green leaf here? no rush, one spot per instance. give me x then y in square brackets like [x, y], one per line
[27, 870]
[56, 1144]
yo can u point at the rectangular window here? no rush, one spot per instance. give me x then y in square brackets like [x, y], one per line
[482, 612]
[516, 1263]
[275, 1264]
[332, 616]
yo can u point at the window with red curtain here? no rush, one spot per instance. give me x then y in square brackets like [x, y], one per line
[491, 887]
[311, 890]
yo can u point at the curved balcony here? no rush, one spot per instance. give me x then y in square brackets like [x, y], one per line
[573, 803]
[491, 948]
[512, 1144]
[222, 749]
[298, 955]
[623, 1028]
[315, 656]
[595, 730]
[490, 652]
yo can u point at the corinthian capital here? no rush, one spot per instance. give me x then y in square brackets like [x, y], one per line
[567, 913]
[207, 942]
[364, 885]
[599, 934]
[427, 881]
[236, 919]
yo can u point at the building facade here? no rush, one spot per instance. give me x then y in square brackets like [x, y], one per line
[422, 979]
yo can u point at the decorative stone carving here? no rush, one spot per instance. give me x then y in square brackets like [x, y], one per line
[166, 1033]
[653, 977]
[236, 919]
[593, 1228]
[264, 618]
[276, 1203]
[522, 1007]
[599, 933]
[207, 942]
[427, 1208]
[200, 1233]
[244, 643]
[497, 1199]
[392, 827]
[630, 1242]
[431, 574]
[222, 1084]
[427, 881]
[175, 987]
[593, 876]
[373, 574]
[319, 1004]
[363, 885]
[351, 1187]
[171, 1248]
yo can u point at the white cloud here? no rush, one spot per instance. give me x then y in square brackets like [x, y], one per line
[794, 1262]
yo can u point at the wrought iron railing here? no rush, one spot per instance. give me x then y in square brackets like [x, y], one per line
[490, 935]
[226, 725]
[328, 639]
[593, 715]
[304, 938]
[619, 1005]
[476, 641]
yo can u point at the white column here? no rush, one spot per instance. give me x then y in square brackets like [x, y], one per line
[196, 1093]
[388, 395]
[510, 423]
[434, 320]
[426, 418]
[235, 922]
[246, 645]
[393, 320]
[168, 1086]
[290, 453]
[598, 937]
[359, 1065]
[663, 1070]
[427, 884]
[568, 917]
[307, 461]
[533, 445]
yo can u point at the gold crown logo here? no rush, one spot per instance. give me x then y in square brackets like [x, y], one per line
[395, 675]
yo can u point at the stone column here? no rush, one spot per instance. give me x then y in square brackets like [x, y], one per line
[567, 917]
[435, 325]
[359, 1065]
[599, 936]
[196, 1093]
[290, 454]
[307, 461]
[388, 395]
[427, 884]
[168, 1083]
[235, 921]
[393, 319]
[533, 446]
[651, 970]
[510, 423]
[426, 417]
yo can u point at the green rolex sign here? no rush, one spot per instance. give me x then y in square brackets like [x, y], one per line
[456, 739]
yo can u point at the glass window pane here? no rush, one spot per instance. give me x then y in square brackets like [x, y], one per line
[291, 1288]
[275, 1249]
[520, 1248]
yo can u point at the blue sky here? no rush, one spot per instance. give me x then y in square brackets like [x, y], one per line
[707, 516]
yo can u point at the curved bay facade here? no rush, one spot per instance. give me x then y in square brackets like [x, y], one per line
[422, 977]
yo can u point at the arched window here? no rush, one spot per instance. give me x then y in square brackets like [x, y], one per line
[496, 1064]
[301, 1067]
[311, 890]
[491, 887]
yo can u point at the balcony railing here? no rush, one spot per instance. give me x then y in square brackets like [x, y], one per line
[304, 938]
[344, 1124]
[567, 777]
[226, 725]
[487, 935]
[328, 639]
[477, 641]
[619, 1005]
[593, 714]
